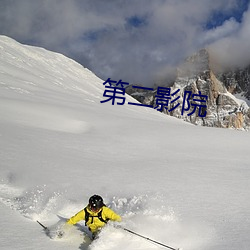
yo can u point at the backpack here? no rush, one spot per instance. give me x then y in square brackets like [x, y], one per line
[88, 216]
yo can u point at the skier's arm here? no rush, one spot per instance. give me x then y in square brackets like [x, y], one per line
[77, 217]
[110, 214]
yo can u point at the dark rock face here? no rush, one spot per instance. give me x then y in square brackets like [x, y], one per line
[237, 81]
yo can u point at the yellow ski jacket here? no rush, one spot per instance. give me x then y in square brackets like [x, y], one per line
[94, 223]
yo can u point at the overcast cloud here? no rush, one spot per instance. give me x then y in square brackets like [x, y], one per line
[138, 41]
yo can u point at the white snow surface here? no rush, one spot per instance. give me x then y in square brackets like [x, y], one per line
[182, 185]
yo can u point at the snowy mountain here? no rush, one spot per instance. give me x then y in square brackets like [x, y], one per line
[183, 185]
[198, 75]
[223, 109]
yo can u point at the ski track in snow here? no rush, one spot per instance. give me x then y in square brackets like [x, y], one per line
[43, 117]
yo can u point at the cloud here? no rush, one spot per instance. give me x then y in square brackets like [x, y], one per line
[233, 49]
[228, 28]
[134, 40]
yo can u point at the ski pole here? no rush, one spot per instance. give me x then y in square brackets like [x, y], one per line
[146, 238]
[45, 228]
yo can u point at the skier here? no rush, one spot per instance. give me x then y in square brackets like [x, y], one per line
[95, 214]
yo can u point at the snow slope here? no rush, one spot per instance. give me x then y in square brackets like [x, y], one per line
[176, 183]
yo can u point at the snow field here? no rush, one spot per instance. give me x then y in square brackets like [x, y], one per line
[181, 185]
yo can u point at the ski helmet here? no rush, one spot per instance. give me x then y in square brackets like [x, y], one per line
[95, 202]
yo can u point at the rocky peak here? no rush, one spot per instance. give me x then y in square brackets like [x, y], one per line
[223, 108]
[195, 65]
[195, 74]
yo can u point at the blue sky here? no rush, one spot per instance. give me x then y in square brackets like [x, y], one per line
[139, 41]
[218, 17]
